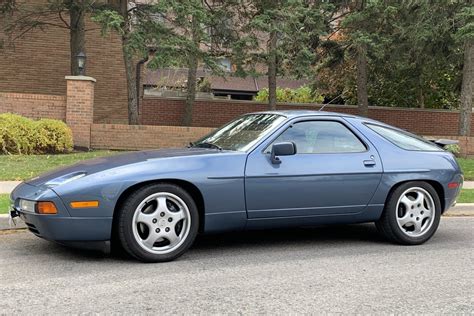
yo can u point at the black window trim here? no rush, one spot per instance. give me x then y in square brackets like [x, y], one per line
[307, 119]
[367, 124]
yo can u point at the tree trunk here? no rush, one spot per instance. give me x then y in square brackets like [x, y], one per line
[130, 67]
[272, 70]
[362, 95]
[191, 93]
[130, 72]
[77, 41]
[421, 98]
[465, 112]
[421, 94]
[192, 75]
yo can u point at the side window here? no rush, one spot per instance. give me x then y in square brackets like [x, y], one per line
[321, 137]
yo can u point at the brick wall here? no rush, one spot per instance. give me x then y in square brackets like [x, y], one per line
[34, 105]
[214, 113]
[130, 137]
[39, 60]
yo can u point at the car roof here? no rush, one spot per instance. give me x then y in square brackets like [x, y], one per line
[300, 113]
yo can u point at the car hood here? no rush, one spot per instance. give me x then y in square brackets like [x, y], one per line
[104, 163]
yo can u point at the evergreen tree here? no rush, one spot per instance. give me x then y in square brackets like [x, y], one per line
[291, 31]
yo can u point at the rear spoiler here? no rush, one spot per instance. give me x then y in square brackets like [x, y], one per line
[444, 142]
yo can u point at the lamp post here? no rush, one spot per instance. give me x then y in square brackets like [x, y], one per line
[81, 63]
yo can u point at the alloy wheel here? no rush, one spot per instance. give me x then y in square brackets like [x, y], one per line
[161, 223]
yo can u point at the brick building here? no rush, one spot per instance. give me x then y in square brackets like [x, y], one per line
[38, 62]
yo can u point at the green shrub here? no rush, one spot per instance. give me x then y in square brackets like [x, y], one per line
[53, 136]
[16, 134]
[455, 149]
[301, 95]
[20, 135]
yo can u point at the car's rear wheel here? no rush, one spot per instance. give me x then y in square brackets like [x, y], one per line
[412, 214]
[158, 223]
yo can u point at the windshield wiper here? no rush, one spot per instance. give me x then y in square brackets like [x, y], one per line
[206, 145]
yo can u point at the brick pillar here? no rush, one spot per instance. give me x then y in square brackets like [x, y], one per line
[80, 108]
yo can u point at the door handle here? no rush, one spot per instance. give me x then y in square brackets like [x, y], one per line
[369, 163]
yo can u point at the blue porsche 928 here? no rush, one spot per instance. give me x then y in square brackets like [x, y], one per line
[262, 170]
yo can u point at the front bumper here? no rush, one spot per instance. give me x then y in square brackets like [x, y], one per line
[56, 228]
[84, 232]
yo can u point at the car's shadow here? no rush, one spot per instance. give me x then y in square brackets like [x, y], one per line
[267, 238]
[209, 245]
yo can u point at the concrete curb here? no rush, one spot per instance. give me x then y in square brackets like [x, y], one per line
[4, 225]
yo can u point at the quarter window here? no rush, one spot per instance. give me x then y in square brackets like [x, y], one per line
[403, 139]
[321, 137]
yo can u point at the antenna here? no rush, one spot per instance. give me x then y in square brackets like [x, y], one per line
[324, 105]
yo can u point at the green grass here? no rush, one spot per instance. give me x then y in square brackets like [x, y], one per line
[466, 196]
[467, 166]
[4, 203]
[22, 167]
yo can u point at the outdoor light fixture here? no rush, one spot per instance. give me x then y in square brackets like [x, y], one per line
[81, 63]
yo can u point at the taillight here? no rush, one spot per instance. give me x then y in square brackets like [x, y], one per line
[453, 185]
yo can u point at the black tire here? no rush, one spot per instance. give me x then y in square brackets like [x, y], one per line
[388, 226]
[125, 218]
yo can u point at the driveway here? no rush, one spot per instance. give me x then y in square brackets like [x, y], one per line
[329, 269]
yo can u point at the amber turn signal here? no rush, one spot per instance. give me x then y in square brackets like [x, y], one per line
[46, 208]
[85, 204]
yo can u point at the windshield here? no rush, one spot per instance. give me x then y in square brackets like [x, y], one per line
[242, 133]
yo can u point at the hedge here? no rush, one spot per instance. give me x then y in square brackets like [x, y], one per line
[21, 135]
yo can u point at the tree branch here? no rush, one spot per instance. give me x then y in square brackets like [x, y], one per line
[62, 18]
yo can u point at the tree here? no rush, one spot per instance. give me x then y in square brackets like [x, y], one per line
[361, 25]
[190, 33]
[178, 32]
[467, 89]
[466, 34]
[6, 9]
[291, 29]
[25, 17]
[121, 16]
[410, 52]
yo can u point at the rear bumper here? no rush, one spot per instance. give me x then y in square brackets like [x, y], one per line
[452, 194]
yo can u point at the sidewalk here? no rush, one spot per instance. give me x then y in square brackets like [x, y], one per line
[7, 186]
[468, 185]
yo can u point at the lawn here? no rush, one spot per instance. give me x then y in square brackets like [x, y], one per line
[22, 167]
[4, 203]
[467, 196]
[467, 166]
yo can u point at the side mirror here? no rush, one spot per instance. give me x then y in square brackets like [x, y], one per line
[282, 149]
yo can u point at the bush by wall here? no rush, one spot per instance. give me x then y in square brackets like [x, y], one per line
[301, 95]
[20, 135]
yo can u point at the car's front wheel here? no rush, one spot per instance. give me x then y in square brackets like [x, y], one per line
[158, 223]
[412, 214]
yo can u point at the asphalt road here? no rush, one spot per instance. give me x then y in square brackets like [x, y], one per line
[347, 269]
